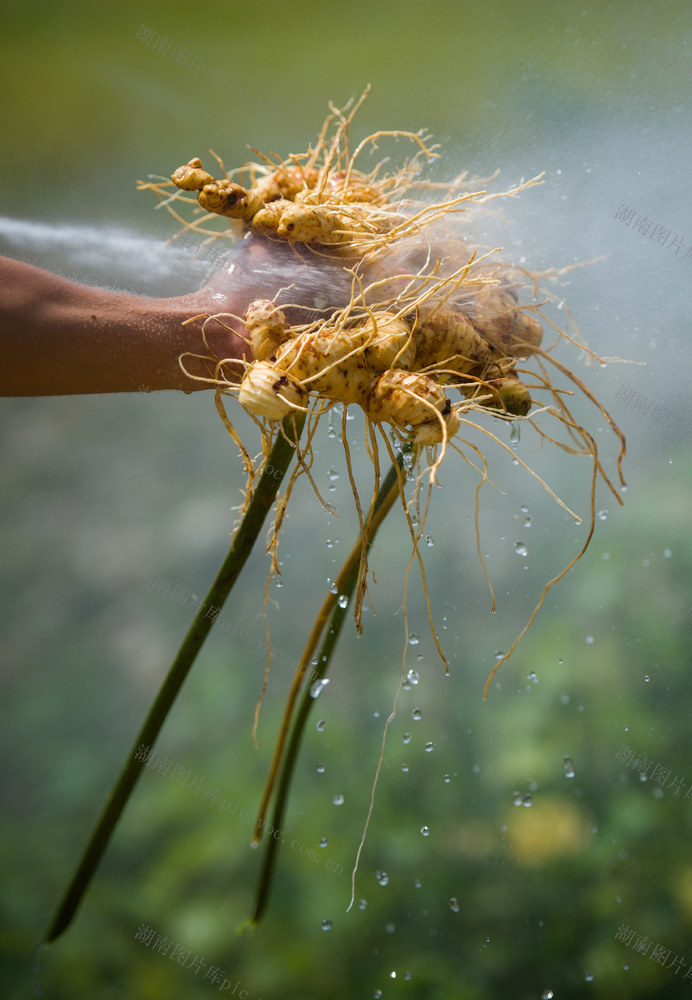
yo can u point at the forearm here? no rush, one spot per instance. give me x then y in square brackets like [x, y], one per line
[59, 337]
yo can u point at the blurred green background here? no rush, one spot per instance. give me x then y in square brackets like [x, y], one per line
[109, 500]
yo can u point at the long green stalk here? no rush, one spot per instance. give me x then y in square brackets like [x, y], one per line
[244, 538]
[346, 584]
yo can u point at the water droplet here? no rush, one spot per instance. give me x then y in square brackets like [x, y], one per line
[526, 800]
[560, 660]
[425, 830]
[318, 687]
[338, 799]
[515, 435]
[377, 994]
[342, 601]
[588, 976]
[429, 541]
[333, 475]
[429, 747]
[520, 549]
[603, 514]
[413, 639]
[568, 765]
[408, 976]
[646, 678]
[333, 589]
[627, 729]
[320, 768]
[417, 883]
[547, 995]
[454, 904]
[412, 677]
[279, 584]
[527, 522]
[447, 778]
[330, 543]
[326, 925]
[589, 640]
[382, 877]
[320, 726]
[667, 553]
[498, 654]
[533, 677]
[516, 798]
[362, 904]
[404, 768]
[323, 842]
[406, 738]
[416, 714]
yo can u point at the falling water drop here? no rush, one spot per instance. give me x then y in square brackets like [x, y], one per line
[382, 877]
[454, 904]
[342, 601]
[406, 738]
[515, 435]
[429, 747]
[320, 726]
[425, 830]
[338, 799]
[318, 687]
[568, 765]
[412, 676]
[526, 800]
[326, 925]
[521, 549]
[416, 714]
[413, 639]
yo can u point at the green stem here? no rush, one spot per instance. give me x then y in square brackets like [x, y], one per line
[348, 579]
[243, 540]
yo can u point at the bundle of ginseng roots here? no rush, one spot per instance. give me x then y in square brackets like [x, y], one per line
[432, 331]
[424, 316]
